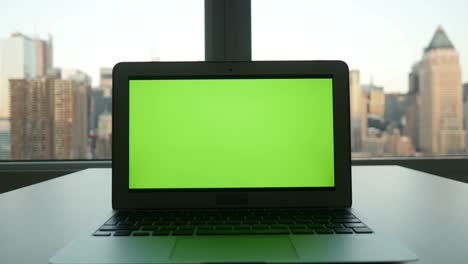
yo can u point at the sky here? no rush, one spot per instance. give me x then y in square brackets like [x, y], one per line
[382, 39]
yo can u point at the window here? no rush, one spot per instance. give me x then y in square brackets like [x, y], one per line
[408, 63]
[408, 79]
[56, 61]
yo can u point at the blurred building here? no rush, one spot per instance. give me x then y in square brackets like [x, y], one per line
[355, 110]
[5, 147]
[441, 111]
[104, 136]
[465, 92]
[32, 119]
[49, 117]
[100, 104]
[44, 56]
[21, 57]
[376, 101]
[106, 81]
[71, 116]
[373, 144]
[395, 105]
[17, 61]
[396, 144]
[465, 113]
[364, 113]
[376, 122]
[412, 106]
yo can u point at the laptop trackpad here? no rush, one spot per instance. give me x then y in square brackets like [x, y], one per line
[233, 248]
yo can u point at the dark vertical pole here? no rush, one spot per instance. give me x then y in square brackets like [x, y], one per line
[228, 31]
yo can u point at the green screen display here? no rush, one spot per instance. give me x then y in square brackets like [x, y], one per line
[231, 133]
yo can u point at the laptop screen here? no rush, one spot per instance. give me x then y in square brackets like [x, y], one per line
[231, 133]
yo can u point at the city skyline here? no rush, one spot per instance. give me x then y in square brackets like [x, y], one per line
[379, 126]
[382, 41]
[428, 120]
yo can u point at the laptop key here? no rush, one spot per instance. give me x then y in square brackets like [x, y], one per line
[242, 227]
[321, 221]
[116, 228]
[223, 227]
[205, 227]
[334, 225]
[351, 225]
[304, 221]
[139, 233]
[300, 231]
[168, 228]
[257, 227]
[146, 223]
[113, 220]
[186, 227]
[127, 223]
[316, 226]
[101, 233]
[268, 222]
[161, 233]
[324, 231]
[347, 216]
[343, 230]
[347, 220]
[162, 223]
[182, 232]
[287, 221]
[363, 230]
[278, 231]
[233, 222]
[298, 226]
[279, 226]
[122, 233]
[343, 214]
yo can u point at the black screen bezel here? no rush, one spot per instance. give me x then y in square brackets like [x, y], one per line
[125, 198]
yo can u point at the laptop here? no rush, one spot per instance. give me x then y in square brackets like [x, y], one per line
[232, 162]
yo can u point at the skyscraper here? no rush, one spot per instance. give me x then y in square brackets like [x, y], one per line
[100, 103]
[395, 104]
[104, 136]
[413, 105]
[43, 56]
[441, 114]
[49, 117]
[21, 57]
[373, 144]
[5, 147]
[465, 113]
[31, 119]
[396, 144]
[70, 117]
[106, 81]
[364, 113]
[17, 61]
[376, 101]
[355, 110]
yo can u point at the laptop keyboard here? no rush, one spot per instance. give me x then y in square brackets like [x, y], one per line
[232, 222]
